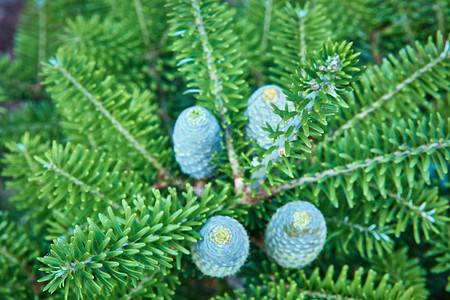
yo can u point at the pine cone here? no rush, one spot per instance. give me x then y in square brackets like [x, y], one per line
[295, 234]
[259, 111]
[224, 248]
[196, 137]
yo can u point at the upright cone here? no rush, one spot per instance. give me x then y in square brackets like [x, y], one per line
[196, 137]
[260, 111]
[296, 234]
[224, 248]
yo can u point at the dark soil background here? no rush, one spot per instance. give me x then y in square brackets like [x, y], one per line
[9, 17]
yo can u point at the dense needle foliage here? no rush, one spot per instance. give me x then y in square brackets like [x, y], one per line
[93, 204]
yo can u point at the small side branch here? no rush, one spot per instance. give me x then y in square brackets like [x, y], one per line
[51, 166]
[419, 210]
[386, 97]
[217, 87]
[355, 166]
[130, 138]
[140, 15]
[42, 33]
[268, 4]
[368, 230]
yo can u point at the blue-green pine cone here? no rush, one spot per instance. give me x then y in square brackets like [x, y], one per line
[196, 137]
[224, 248]
[296, 234]
[259, 111]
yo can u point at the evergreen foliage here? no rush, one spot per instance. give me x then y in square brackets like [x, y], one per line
[97, 203]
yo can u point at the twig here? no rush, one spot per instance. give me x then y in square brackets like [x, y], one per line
[354, 166]
[128, 136]
[217, 88]
[398, 88]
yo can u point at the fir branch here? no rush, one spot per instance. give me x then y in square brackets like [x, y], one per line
[388, 96]
[217, 88]
[36, 117]
[91, 180]
[400, 266]
[316, 92]
[376, 154]
[425, 211]
[206, 46]
[120, 128]
[107, 41]
[141, 285]
[362, 164]
[416, 68]
[127, 241]
[421, 207]
[17, 252]
[220, 80]
[268, 6]
[135, 132]
[440, 8]
[282, 285]
[296, 31]
[28, 158]
[324, 295]
[20, 167]
[53, 167]
[353, 231]
[406, 23]
[366, 229]
[441, 254]
[142, 25]
[42, 33]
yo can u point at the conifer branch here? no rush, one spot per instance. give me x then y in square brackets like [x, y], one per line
[77, 172]
[53, 167]
[122, 130]
[206, 46]
[42, 33]
[320, 295]
[406, 23]
[370, 229]
[419, 210]
[268, 6]
[17, 250]
[34, 126]
[361, 165]
[301, 31]
[439, 7]
[27, 157]
[141, 285]
[296, 32]
[317, 87]
[143, 27]
[217, 87]
[9, 256]
[389, 95]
